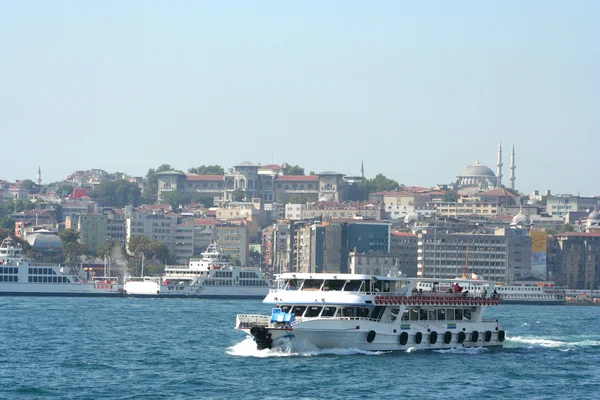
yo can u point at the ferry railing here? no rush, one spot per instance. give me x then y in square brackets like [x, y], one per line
[245, 320]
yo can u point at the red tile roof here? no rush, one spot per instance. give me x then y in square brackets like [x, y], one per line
[194, 177]
[403, 234]
[497, 192]
[297, 178]
[271, 166]
[206, 221]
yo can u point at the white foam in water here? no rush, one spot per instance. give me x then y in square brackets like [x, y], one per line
[543, 342]
[463, 350]
[247, 348]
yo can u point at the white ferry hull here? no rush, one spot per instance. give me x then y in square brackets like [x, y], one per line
[63, 289]
[344, 334]
[203, 292]
[534, 302]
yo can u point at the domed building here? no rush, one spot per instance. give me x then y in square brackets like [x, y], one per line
[520, 220]
[593, 221]
[475, 178]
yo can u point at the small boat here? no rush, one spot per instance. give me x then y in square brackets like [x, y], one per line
[369, 312]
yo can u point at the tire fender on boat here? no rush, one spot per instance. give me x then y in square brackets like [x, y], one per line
[403, 338]
[418, 337]
[447, 337]
[433, 337]
[501, 336]
[371, 336]
[460, 338]
[474, 336]
[488, 336]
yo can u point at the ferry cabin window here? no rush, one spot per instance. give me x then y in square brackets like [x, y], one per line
[414, 314]
[312, 284]
[352, 286]
[467, 314]
[458, 313]
[432, 315]
[313, 311]
[298, 310]
[441, 315]
[333, 284]
[328, 312]
[293, 284]
[405, 315]
[423, 315]
[285, 308]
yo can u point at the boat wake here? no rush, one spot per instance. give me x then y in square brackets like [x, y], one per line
[463, 350]
[536, 342]
[247, 348]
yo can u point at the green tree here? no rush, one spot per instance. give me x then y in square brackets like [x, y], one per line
[151, 185]
[450, 196]
[72, 249]
[567, 228]
[117, 193]
[551, 232]
[378, 184]
[147, 251]
[64, 189]
[26, 184]
[205, 199]
[176, 198]
[238, 195]
[293, 170]
[207, 170]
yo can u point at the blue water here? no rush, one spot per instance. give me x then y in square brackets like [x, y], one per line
[80, 348]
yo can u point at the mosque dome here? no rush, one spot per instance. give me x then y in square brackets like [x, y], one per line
[412, 216]
[477, 175]
[593, 219]
[520, 219]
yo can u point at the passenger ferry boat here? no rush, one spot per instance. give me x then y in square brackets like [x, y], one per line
[210, 276]
[373, 313]
[534, 293]
[23, 277]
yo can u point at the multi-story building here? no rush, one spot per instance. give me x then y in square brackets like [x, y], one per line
[92, 230]
[373, 264]
[157, 225]
[269, 185]
[577, 259]
[331, 210]
[403, 248]
[233, 240]
[501, 257]
[324, 247]
[115, 225]
[562, 204]
[184, 241]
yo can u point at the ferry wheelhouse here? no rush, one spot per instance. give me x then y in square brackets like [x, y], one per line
[23, 277]
[373, 313]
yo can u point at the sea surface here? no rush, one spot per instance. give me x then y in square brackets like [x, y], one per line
[127, 348]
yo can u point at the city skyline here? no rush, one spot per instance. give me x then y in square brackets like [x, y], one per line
[416, 91]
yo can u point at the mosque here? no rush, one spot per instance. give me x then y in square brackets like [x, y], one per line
[478, 177]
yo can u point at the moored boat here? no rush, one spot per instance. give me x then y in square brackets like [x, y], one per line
[372, 313]
[20, 276]
[209, 276]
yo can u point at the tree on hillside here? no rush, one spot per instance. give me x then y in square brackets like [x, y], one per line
[26, 184]
[205, 199]
[293, 170]
[144, 250]
[176, 198]
[117, 193]
[151, 185]
[72, 249]
[65, 189]
[450, 196]
[207, 170]
[238, 195]
[378, 184]
[568, 228]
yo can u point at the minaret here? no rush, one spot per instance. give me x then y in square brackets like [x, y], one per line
[362, 169]
[499, 165]
[512, 168]
[39, 176]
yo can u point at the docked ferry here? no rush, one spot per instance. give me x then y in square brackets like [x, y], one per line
[210, 276]
[20, 276]
[372, 313]
[534, 293]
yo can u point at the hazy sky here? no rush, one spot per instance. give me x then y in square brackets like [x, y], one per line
[418, 90]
